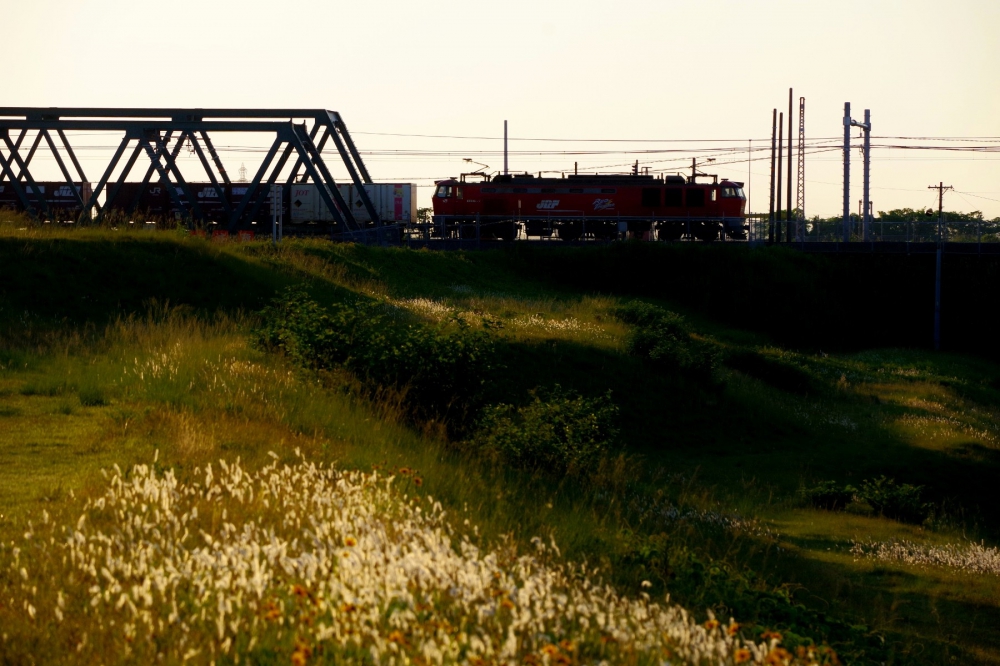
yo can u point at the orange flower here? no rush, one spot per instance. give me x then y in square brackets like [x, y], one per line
[567, 645]
[778, 657]
[405, 470]
[507, 603]
[271, 611]
[742, 656]
[732, 629]
[301, 654]
[350, 542]
[550, 649]
[531, 660]
[417, 481]
[397, 637]
[348, 608]
[300, 591]
[768, 635]
[711, 624]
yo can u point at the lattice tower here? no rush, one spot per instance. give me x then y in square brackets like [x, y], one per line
[800, 192]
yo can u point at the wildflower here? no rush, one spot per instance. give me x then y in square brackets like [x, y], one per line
[300, 591]
[711, 624]
[507, 603]
[301, 654]
[405, 471]
[397, 637]
[732, 629]
[550, 649]
[768, 635]
[350, 542]
[348, 608]
[778, 657]
[567, 645]
[417, 481]
[742, 656]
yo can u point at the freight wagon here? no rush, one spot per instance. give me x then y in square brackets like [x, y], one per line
[61, 199]
[394, 203]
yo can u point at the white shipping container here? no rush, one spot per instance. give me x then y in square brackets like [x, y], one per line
[394, 202]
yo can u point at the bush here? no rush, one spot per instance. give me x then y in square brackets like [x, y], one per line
[895, 500]
[559, 431]
[900, 501]
[438, 369]
[829, 495]
[663, 337]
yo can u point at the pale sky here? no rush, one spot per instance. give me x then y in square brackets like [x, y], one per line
[579, 70]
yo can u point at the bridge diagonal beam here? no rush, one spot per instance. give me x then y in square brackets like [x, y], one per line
[261, 196]
[105, 178]
[154, 159]
[113, 194]
[356, 177]
[215, 157]
[65, 172]
[72, 155]
[338, 124]
[6, 170]
[255, 183]
[325, 183]
[171, 165]
[298, 162]
[33, 189]
[223, 199]
[149, 174]
[31, 155]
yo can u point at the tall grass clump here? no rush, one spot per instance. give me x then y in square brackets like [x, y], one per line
[441, 371]
[558, 431]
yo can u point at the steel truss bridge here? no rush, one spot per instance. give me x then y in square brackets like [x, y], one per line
[298, 133]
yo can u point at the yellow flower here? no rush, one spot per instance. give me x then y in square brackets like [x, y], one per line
[711, 624]
[742, 656]
[778, 657]
[732, 629]
[550, 649]
[350, 542]
[397, 637]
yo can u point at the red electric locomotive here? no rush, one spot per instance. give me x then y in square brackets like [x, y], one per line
[590, 206]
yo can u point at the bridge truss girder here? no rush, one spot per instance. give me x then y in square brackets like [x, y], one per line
[302, 133]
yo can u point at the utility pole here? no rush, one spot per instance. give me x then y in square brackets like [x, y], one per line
[781, 160]
[505, 147]
[770, 215]
[800, 192]
[788, 223]
[941, 188]
[865, 218]
[847, 172]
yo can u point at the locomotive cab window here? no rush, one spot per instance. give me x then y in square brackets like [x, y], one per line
[443, 192]
[696, 197]
[732, 193]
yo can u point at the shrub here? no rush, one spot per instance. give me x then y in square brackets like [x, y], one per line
[663, 337]
[895, 500]
[437, 369]
[829, 495]
[92, 396]
[559, 431]
[900, 501]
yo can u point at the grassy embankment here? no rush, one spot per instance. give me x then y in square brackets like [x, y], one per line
[117, 345]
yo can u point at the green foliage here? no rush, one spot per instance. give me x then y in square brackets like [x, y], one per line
[92, 396]
[440, 370]
[663, 337]
[829, 495]
[779, 374]
[895, 500]
[558, 431]
[900, 501]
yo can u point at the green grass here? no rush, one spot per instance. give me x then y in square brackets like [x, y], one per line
[118, 345]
